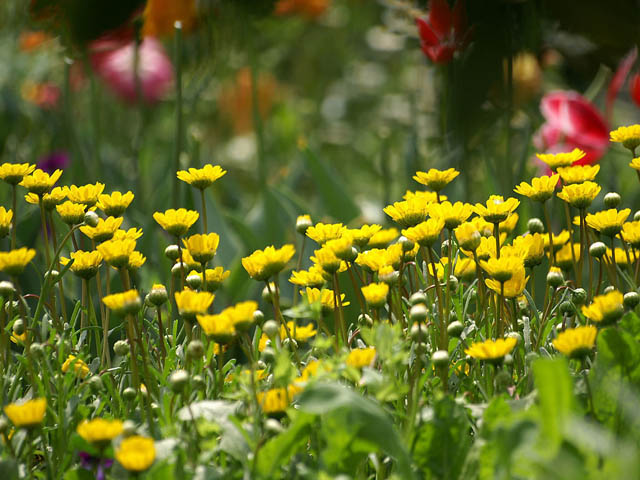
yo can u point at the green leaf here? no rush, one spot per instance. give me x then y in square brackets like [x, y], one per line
[9, 470]
[75, 474]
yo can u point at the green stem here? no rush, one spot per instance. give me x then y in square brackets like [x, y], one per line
[179, 115]
[547, 219]
[14, 203]
[204, 212]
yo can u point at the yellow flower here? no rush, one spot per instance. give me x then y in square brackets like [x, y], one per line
[435, 179]
[123, 303]
[423, 196]
[451, 214]
[308, 278]
[576, 342]
[361, 357]
[605, 309]
[635, 164]
[136, 453]
[15, 261]
[99, 430]
[114, 205]
[580, 195]
[188, 260]
[85, 264]
[132, 234]
[104, 230]
[533, 245]
[263, 264]
[509, 224]
[578, 173]
[176, 222]
[323, 232]
[49, 200]
[215, 277]
[299, 333]
[13, 173]
[326, 259]
[276, 400]
[375, 294]
[468, 236]
[136, 260]
[629, 136]
[242, 314]
[513, 287]
[608, 222]
[325, 297]
[485, 228]
[80, 368]
[6, 219]
[219, 327]
[503, 268]
[202, 178]
[27, 414]
[71, 213]
[373, 260]
[541, 188]
[191, 303]
[407, 213]
[491, 350]
[558, 240]
[383, 238]
[202, 247]
[117, 252]
[85, 194]
[621, 257]
[566, 159]
[465, 268]
[487, 247]
[564, 256]
[631, 233]
[497, 209]
[341, 247]
[425, 233]
[40, 182]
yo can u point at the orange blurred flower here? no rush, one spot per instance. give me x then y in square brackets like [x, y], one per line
[45, 95]
[29, 40]
[160, 15]
[306, 8]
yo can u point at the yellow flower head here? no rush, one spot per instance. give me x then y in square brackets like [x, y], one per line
[6, 219]
[325, 297]
[123, 303]
[341, 247]
[132, 234]
[299, 333]
[580, 195]
[373, 260]
[622, 257]
[465, 268]
[558, 240]
[491, 350]
[605, 309]
[263, 264]
[407, 213]
[323, 232]
[15, 261]
[425, 233]
[533, 247]
[631, 233]
[566, 159]
[503, 268]
[136, 453]
[219, 327]
[71, 213]
[468, 236]
[451, 214]
[99, 431]
[541, 188]
[513, 287]
[629, 136]
[485, 228]
[375, 294]
[49, 200]
[188, 260]
[383, 238]
[565, 257]
[40, 182]
[423, 196]
[202, 178]
[27, 414]
[215, 277]
[191, 303]
[497, 209]
[80, 368]
[578, 173]
[276, 400]
[361, 236]
[86, 194]
[202, 247]
[104, 230]
[435, 179]
[85, 264]
[308, 278]
[176, 222]
[114, 205]
[635, 164]
[608, 222]
[326, 258]
[13, 173]
[242, 314]
[576, 342]
[117, 252]
[361, 357]
[136, 260]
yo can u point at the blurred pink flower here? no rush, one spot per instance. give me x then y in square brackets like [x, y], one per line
[617, 82]
[572, 122]
[113, 59]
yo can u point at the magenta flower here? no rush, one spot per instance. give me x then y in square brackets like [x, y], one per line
[572, 122]
[113, 61]
[443, 31]
[53, 161]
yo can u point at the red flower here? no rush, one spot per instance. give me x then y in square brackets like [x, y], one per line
[572, 122]
[634, 86]
[617, 82]
[443, 31]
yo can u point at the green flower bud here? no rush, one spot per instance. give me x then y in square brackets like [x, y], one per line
[555, 278]
[18, 327]
[198, 382]
[121, 347]
[178, 380]
[194, 281]
[419, 332]
[268, 355]
[91, 218]
[258, 317]
[7, 289]
[407, 245]
[579, 296]
[129, 427]
[631, 300]
[418, 313]
[95, 383]
[597, 249]
[535, 225]
[455, 329]
[612, 200]
[195, 349]
[567, 308]
[271, 328]
[440, 358]
[172, 252]
[418, 297]
[129, 394]
[365, 320]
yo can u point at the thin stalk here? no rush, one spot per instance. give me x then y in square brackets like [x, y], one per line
[356, 289]
[547, 219]
[14, 206]
[204, 211]
[338, 307]
[275, 295]
[496, 234]
[163, 350]
[576, 272]
[613, 262]
[298, 266]
[63, 303]
[179, 115]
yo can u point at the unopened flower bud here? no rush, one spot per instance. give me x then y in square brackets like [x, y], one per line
[440, 358]
[198, 382]
[194, 281]
[609, 289]
[271, 328]
[531, 357]
[267, 295]
[95, 383]
[597, 249]
[157, 296]
[453, 283]
[18, 327]
[195, 349]
[91, 218]
[273, 425]
[303, 222]
[444, 248]
[37, 349]
[631, 300]
[52, 276]
[178, 380]
[268, 355]
[7, 289]
[421, 348]
[258, 317]
[178, 268]
[418, 313]
[472, 242]
[419, 332]
[290, 344]
[579, 296]
[4, 425]
[555, 277]
[129, 427]
[390, 278]
[172, 252]
[418, 297]
[515, 335]
[407, 245]
[535, 225]
[155, 408]
[636, 216]
[365, 320]
[121, 347]
[455, 329]
[567, 308]
[612, 200]
[129, 394]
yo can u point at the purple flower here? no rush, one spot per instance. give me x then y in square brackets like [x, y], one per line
[53, 161]
[89, 462]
